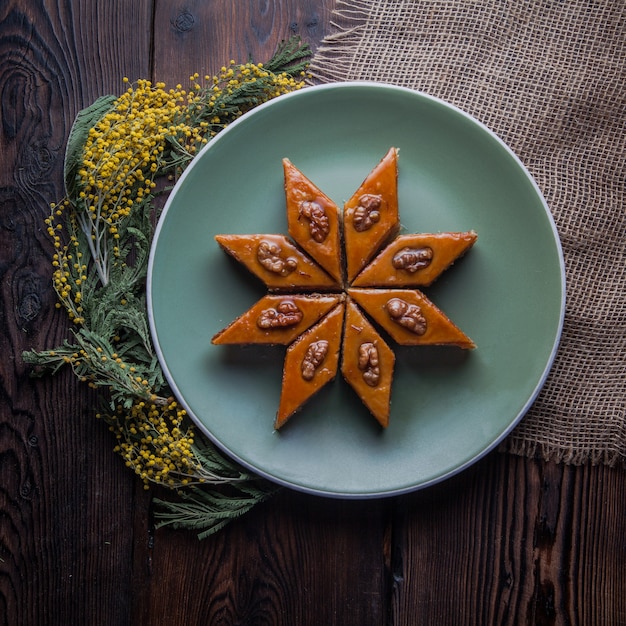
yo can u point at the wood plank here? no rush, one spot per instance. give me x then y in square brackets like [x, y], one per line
[200, 36]
[269, 567]
[296, 559]
[513, 541]
[63, 547]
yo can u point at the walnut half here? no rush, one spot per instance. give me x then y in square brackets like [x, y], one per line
[412, 259]
[270, 256]
[367, 213]
[319, 226]
[284, 315]
[406, 315]
[369, 363]
[313, 358]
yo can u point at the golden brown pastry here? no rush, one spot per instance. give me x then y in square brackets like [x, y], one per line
[313, 220]
[277, 262]
[410, 318]
[415, 260]
[335, 282]
[277, 319]
[370, 216]
[367, 363]
[311, 362]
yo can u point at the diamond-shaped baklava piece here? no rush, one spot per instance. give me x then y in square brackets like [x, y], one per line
[313, 220]
[367, 363]
[276, 261]
[415, 260]
[370, 216]
[410, 318]
[277, 319]
[311, 362]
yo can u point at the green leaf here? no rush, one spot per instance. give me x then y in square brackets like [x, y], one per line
[291, 56]
[85, 120]
[208, 511]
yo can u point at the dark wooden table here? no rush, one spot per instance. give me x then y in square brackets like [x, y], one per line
[510, 541]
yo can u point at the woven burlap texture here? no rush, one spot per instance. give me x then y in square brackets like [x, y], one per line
[548, 77]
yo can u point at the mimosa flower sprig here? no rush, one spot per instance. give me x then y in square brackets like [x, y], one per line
[118, 150]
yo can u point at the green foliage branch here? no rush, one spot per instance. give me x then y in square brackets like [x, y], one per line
[120, 152]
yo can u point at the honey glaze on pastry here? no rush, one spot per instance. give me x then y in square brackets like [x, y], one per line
[367, 363]
[339, 287]
[370, 216]
[415, 260]
[277, 319]
[276, 261]
[410, 318]
[313, 220]
[311, 362]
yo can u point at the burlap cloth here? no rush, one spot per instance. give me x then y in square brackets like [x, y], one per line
[548, 76]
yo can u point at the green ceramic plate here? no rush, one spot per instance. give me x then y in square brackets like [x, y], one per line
[449, 407]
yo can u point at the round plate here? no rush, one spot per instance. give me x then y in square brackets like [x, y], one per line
[449, 407]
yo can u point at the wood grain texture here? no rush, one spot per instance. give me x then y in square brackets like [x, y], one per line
[514, 541]
[294, 560]
[59, 535]
[509, 541]
[199, 36]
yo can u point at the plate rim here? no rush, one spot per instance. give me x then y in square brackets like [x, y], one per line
[357, 495]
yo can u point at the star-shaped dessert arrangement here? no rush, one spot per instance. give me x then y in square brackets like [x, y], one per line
[340, 285]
